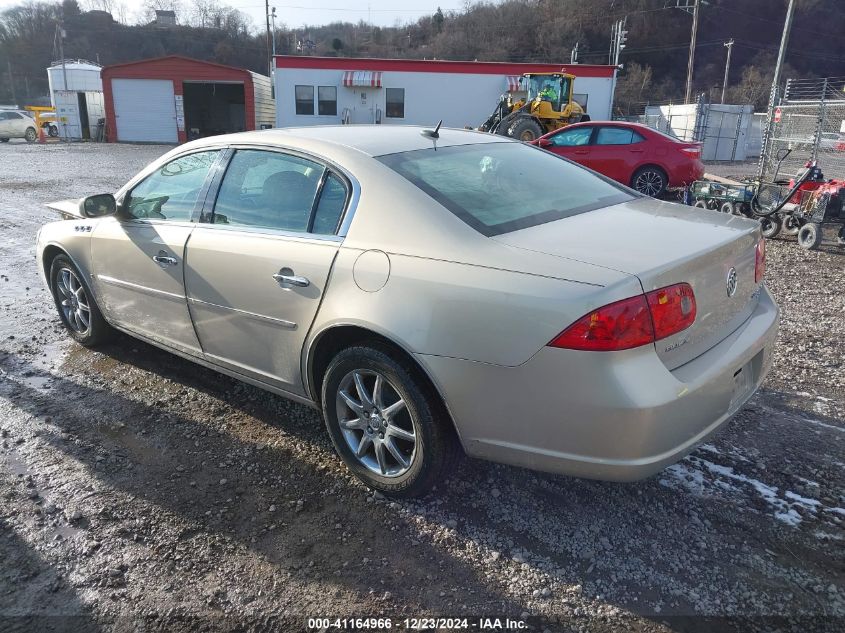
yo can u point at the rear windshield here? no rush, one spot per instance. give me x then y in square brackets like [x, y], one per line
[502, 187]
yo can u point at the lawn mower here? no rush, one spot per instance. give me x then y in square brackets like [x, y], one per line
[823, 205]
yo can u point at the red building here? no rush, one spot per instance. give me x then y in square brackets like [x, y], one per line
[173, 99]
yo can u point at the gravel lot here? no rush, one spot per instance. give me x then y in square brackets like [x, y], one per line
[142, 492]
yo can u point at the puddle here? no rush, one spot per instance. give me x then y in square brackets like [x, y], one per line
[16, 465]
[43, 369]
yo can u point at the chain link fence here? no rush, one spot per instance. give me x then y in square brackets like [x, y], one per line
[809, 121]
[723, 130]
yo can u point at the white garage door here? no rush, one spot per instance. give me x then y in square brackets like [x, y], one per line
[144, 110]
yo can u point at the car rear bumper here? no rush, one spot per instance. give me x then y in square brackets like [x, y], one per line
[617, 416]
[686, 174]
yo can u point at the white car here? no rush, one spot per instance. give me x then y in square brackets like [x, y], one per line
[14, 124]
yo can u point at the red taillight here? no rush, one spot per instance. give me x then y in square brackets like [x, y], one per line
[672, 309]
[631, 322]
[693, 152]
[760, 261]
[621, 325]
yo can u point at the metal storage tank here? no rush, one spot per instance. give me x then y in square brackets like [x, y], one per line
[76, 91]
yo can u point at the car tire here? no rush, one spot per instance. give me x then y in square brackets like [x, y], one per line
[770, 226]
[810, 236]
[31, 135]
[650, 180]
[727, 207]
[525, 129]
[840, 237]
[52, 131]
[416, 440]
[700, 204]
[75, 304]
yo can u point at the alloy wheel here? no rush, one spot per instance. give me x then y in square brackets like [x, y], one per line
[376, 423]
[649, 182]
[73, 301]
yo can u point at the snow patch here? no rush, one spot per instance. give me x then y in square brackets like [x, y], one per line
[788, 506]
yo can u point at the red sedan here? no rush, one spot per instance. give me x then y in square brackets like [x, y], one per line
[633, 154]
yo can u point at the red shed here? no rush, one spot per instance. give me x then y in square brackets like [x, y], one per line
[173, 99]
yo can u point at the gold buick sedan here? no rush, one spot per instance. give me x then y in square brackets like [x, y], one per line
[432, 292]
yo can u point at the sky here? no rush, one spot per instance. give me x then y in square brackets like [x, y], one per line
[296, 13]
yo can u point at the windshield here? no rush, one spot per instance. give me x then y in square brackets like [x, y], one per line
[502, 187]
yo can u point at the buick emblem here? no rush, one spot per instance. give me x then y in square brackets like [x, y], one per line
[731, 282]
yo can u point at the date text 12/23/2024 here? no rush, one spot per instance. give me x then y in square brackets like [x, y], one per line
[378, 625]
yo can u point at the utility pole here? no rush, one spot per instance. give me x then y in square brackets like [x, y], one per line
[269, 58]
[729, 44]
[273, 17]
[691, 60]
[573, 56]
[787, 26]
[621, 38]
[62, 52]
[612, 43]
[12, 82]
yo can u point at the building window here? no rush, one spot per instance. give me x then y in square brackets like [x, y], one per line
[327, 100]
[394, 103]
[304, 99]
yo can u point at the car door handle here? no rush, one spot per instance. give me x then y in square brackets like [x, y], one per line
[581, 151]
[163, 259]
[291, 280]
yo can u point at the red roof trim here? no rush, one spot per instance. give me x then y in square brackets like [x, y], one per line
[438, 66]
[175, 57]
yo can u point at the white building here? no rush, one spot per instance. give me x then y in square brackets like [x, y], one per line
[76, 91]
[331, 90]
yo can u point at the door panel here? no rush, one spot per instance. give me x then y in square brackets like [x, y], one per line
[140, 293]
[574, 144]
[246, 318]
[617, 151]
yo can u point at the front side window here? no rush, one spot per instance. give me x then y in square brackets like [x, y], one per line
[304, 99]
[501, 187]
[327, 100]
[171, 191]
[573, 138]
[617, 136]
[268, 190]
[394, 103]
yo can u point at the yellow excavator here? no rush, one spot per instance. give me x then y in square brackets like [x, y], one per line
[548, 105]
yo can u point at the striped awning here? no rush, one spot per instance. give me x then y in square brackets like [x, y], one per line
[513, 82]
[367, 78]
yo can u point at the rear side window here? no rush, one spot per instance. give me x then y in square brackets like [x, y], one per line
[171, 192]
[501, 187]
[617, 136]
[272, 190]
[268, 190]
[330, 206]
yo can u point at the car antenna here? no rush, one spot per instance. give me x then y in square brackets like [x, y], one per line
[433, 134]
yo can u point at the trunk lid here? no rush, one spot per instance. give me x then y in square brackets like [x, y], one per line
[664, 244]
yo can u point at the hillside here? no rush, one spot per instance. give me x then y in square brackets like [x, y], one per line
[655, 58]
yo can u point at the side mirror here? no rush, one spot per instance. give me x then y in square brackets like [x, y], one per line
[98, 206]
[544, 142]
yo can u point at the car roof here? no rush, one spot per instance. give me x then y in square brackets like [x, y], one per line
[373, 140]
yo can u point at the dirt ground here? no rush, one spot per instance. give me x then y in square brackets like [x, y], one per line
[142, 492]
